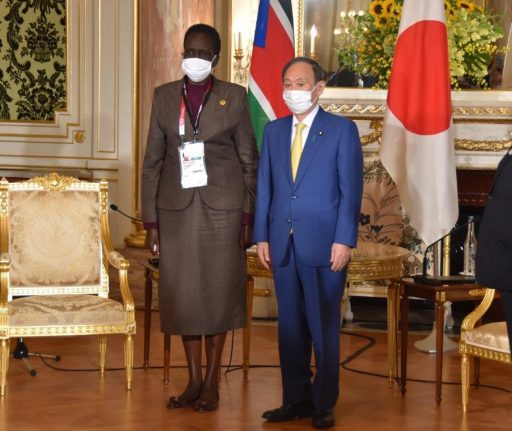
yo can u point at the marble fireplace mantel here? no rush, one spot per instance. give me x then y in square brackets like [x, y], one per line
[482, 121]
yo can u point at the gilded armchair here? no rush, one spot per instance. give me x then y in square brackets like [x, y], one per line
[489, 341]
[55, 250]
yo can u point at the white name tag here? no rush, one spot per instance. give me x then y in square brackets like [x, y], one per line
[193, 169]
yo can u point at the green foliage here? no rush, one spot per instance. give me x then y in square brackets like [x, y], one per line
[366, 42]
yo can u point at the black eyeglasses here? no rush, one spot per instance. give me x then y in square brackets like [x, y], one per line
[198, 53]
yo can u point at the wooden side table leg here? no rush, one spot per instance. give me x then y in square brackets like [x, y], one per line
[167, 357]
[392, 321]
[404, 330]
[148, 297]
[439, 348]
[247, 329]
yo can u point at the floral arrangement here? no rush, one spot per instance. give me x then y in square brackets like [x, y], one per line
[366, 41]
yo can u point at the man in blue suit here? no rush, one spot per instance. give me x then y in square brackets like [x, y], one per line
[310, 183]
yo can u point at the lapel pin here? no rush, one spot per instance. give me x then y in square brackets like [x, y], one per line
[222, 102]
[320, 133]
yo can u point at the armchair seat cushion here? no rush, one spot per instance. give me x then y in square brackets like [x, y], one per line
[490, 336]
[65, 310]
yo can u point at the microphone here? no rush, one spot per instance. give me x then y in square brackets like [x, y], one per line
[114, 207]
[443, 279]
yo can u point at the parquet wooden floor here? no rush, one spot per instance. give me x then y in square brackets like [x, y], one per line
[80, 400]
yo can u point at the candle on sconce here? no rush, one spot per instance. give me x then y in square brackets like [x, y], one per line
[237, 40]
[313, 33]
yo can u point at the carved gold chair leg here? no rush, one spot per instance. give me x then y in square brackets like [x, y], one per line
[4, 365]
[128, 359]
[103, 353]
[247, 329]
[465, 372]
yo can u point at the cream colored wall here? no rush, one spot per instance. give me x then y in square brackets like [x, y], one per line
[93, 137]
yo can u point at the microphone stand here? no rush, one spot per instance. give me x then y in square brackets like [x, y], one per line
[138, 238]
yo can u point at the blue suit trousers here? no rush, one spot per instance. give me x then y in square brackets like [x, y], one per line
[309, 319]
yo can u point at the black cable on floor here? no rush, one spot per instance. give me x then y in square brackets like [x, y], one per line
[371, 342]
[231, 353]
[230, 368]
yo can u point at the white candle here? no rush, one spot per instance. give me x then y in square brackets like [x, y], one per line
[240, 40]
[313, 34]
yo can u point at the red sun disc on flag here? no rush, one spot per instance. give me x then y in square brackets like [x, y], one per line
[419, 89]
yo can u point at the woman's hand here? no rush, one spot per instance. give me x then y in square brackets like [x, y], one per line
[152, 242]
[245, 236]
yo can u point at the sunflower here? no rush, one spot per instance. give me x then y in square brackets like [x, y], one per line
[381, 22]
[397, 11]
[388, 7]
[377, 8]
[449, 10]
[463, 4]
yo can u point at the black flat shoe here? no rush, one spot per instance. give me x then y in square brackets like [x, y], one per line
[289, 412]
[180, 402]
[202, 406]
[323, 420]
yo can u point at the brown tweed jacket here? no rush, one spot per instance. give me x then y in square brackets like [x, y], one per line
[231, 155]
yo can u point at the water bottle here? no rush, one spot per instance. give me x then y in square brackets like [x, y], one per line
[470, 248]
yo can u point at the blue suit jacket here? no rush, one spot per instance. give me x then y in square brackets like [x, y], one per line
[323, 204]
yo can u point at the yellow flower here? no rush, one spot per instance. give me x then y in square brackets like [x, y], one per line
[463, 4]
[377, 8]
[397, 11]
[388, 7]
[381, 22]
[448, 9]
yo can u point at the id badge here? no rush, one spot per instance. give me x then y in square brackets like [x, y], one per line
[193, 168]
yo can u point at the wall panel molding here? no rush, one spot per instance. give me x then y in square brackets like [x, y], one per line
[94, 134]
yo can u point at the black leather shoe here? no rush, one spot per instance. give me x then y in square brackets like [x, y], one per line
[323, 419]
[289, 412]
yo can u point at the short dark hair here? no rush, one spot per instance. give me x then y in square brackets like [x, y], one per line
[317, 69]
[209, 31]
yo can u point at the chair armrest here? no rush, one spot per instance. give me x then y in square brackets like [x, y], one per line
[4, 285]
[472, 318]
[118, 261]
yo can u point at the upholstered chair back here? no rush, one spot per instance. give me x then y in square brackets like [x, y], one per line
[54, 240]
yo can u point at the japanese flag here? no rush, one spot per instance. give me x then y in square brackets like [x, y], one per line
[417, 146]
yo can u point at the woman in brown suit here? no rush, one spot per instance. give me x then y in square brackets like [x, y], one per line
[199, 222]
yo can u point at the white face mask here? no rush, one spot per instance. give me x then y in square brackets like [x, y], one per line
[196, 69]
[298, 101]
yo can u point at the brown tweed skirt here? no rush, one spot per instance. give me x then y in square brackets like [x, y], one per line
[202, 270]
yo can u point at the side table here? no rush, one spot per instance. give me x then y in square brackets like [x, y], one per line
[439, 294]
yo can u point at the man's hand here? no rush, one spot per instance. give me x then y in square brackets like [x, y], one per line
[340, 256]
[245, 236]
[263, 251]
[152, 241]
